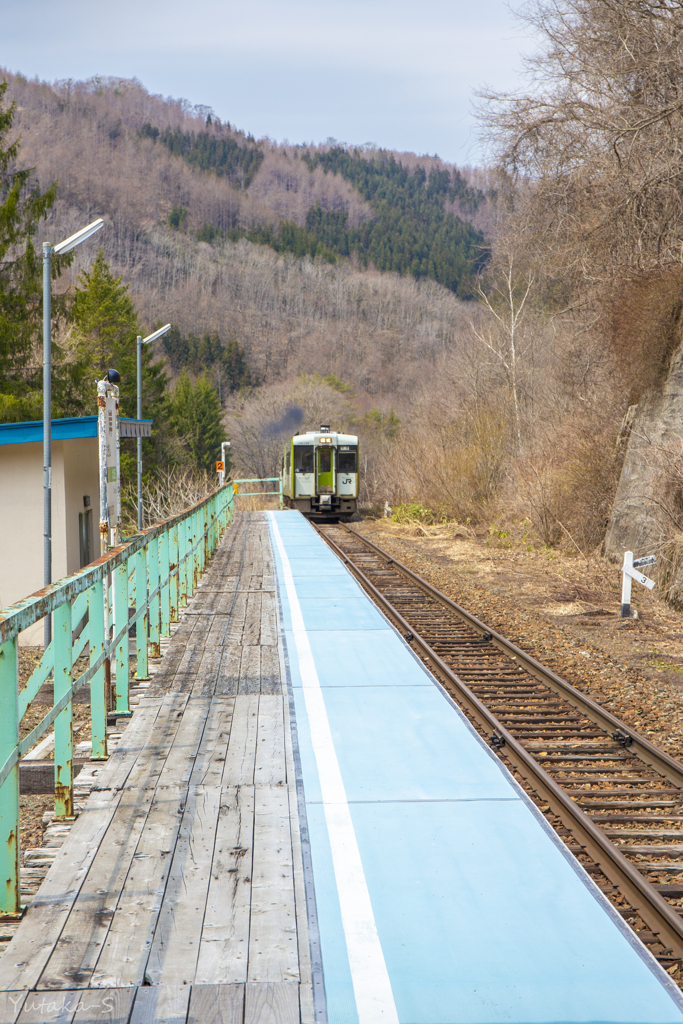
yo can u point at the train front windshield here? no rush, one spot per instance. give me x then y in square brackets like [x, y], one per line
[303, 458]
[347, 458]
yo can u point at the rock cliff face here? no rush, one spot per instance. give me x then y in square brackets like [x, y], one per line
[648, 512]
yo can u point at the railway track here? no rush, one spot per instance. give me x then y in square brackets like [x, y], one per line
[614, 798]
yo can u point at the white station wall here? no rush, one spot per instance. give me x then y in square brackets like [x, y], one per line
[75, 473]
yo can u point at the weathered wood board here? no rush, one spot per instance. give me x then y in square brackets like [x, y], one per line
[178, 895]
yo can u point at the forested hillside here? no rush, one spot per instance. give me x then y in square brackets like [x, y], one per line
[247, 317]
[392, 215]
[159, 193]
[411, 231]
[226, 156]
[317, 283]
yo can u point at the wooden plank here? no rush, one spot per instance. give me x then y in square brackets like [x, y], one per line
[180, 760]
[227, 683]
[175, 948]
[124, 955]
[239, 760]
[255, 540]
[250, 670]
[306, 1007]
[273, 954]
[49, 1008]
[185, 629]
[268, 620]
[202, 859]
[207, 675]
[107, 1006]
[24, 959]
[161, 1004]
[182, 683]
[272, 1003]
[224, 946]
[252, 622]
[11, 1004]
[269, 764]
[219, 630]
[249, 544]
[216, 1004]
[237, 618]
[206, 597]
[225, 579]
[150, 760]
[145, 743]
[115, 771]
[254, 583]
[270, 671]
[67, 1005]
[37, 778]
[165, 674]
[227, 602]
[183, 635]
[210, 760]
[76, 952]
[194, 649]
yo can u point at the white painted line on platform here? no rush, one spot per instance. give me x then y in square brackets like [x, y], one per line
[371, 984]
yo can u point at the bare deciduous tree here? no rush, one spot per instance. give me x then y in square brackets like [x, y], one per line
[508, 342]
[596, 141]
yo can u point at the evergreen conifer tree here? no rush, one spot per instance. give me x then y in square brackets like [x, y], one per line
[106, 327]
[195, 418]
[22, 207]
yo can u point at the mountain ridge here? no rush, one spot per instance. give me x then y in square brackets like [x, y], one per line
[402, 212]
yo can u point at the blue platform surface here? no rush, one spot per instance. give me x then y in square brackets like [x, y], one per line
[442, 896]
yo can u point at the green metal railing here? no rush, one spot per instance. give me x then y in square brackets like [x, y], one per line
[258, 494]
[143, 582]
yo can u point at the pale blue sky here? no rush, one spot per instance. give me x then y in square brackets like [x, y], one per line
[398, 73]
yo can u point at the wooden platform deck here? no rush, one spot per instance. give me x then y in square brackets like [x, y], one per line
[179, 894]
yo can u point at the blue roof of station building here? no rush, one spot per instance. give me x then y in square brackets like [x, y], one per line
[62, 429]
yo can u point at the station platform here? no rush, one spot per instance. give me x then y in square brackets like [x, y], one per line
[298, 826]
[441, 894]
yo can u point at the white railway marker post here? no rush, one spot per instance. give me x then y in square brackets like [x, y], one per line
[630, 572]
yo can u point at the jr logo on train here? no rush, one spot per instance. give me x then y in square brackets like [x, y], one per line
[320, 474]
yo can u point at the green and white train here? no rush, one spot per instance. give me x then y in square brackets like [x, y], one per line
[320, 474]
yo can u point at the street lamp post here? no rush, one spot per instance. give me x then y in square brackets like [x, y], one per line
[48, 252]
[143, 341]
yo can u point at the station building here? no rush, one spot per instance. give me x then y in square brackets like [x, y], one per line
[75, 500]
[75, 503]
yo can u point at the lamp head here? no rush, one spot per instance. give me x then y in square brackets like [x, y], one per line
[156, 334]
[113, 377]
[73, 240]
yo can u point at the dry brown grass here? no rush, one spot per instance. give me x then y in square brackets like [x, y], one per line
[166, 495]
[256, 503]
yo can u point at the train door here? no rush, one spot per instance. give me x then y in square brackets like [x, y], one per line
[325, 470]
[347, 470]
[304, 477]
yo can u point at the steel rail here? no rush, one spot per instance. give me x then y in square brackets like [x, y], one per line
[637, 744]
[661, 918]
